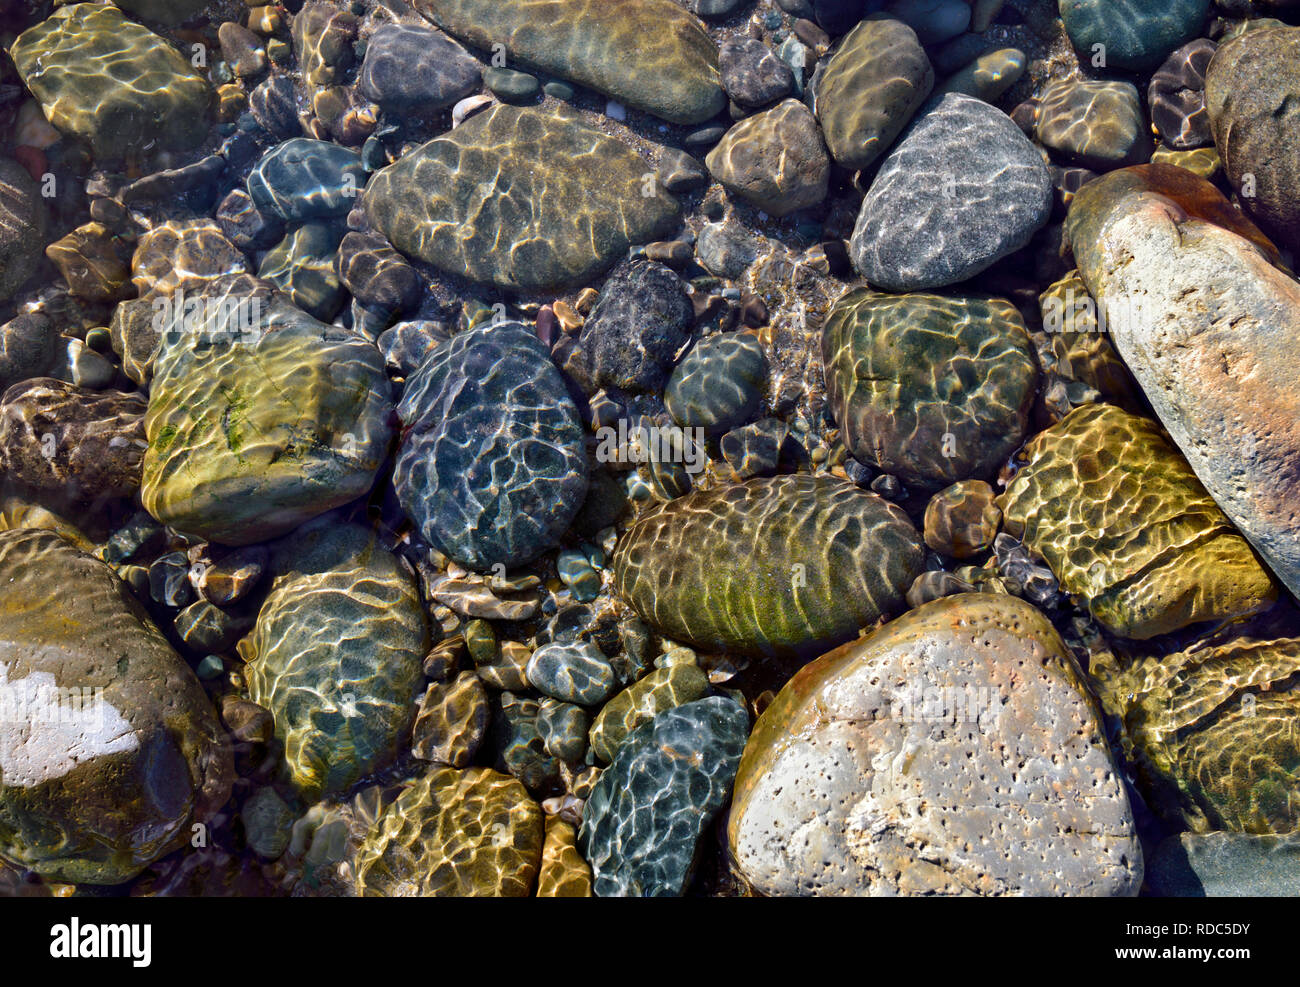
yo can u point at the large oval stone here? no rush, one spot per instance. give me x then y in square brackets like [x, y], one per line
[962, 189]
[260, 418]
[1124, 524]
[1132, 36]
[930, 388]
[1252, 95]
[869, 89]
[109, 749]
[1212, 734]
[471, 833]
[783, 566]
[492, 466]
[650, 54]
[109, 81]
[642, 823]
[1206, 323]
[522, 198]
[337, 654]
[919, 760]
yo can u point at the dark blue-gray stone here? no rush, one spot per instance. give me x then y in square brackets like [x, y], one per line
[410, 69]
[563, 728]
[492, 467]
[574, 673]
[719, 384]
[962, 189]
[304, 179]
[1137, 34]
[520, 746]
[644, 818]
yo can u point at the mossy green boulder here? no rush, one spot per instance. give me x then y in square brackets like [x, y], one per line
[784, 566]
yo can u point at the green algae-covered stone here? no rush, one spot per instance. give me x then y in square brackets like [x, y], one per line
[1106, 500]
[472, 833]
[783, 566]
[109, 773]
[643, 821]
[521, 198]
[871, 86]
[111, 82]
[337, 654]
[650, 54]
[954, 751]
[261, 418]
[930, 388]
[641, 702]
[1212, 733]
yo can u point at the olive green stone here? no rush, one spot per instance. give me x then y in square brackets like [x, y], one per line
[337, 654]
[783, 566]
[251, 432]
[108, 774]
[1107, 501]
[471, 833]
[650, 54]
[520, 197]
[641, 702]
[1212, 733]
[929, 388]
[183, 254]
[871, 86]
[112, 82]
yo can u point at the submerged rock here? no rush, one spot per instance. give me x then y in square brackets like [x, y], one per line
[109, 749]
[650, 54]
[918, 761]
[342, 683]
[22, 230]
[1125, 525]
[470, 833]
[522, 198]
[783, 566]
[644, 819]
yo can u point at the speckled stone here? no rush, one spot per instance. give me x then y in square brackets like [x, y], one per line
[719, 384]
[930, 733]
[452, 722]
[818, 559]
[962, 189]
[86, 446]
[870, 88]
[520, 197]
[492, 467]
[574, 673]
[650, 54]
[342, 685]
[1202, 332]
[1097, 124]
[774, 159]
[302, 179]
[416, 70]
[1135, 36]
[1176, 96]
[114, 779]
[641, 320]
[1250, 94]
[752, 73]
[111, 82]
[932, 389]
[1211, 732]
[961, 520]
[1124, 524]
[471, 833]
[641, 702]
[644, 819]
[248, 439]
[563, 874]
